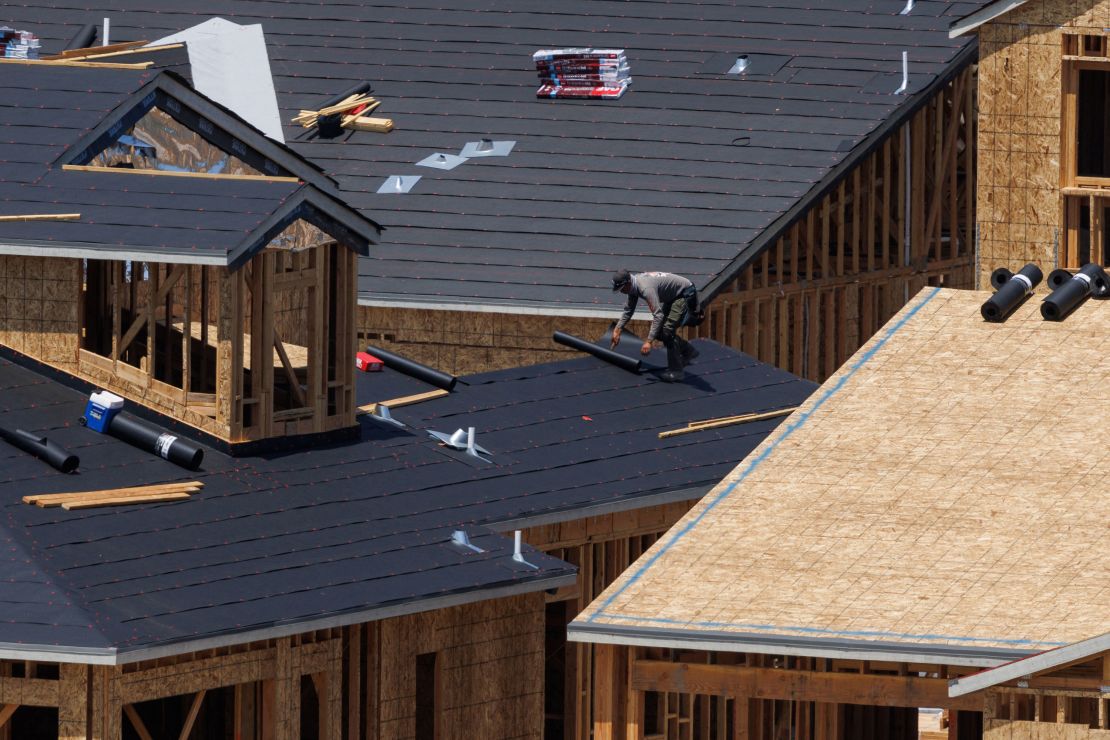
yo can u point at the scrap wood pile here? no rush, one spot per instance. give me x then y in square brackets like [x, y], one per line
[350, 113]
[116, 496]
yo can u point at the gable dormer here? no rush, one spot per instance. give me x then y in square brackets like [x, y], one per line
[223, 297]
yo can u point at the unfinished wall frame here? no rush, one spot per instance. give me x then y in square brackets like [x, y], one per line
[665, 694]
[851, 261]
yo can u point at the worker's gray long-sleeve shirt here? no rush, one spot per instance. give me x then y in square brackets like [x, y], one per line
[658, 289]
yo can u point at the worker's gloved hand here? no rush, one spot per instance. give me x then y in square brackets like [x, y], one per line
[615, 339]
[646, 349]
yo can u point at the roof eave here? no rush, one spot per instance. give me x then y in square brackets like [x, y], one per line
[745, 642]
[1030, 665]
[971, 22]
[123, 656]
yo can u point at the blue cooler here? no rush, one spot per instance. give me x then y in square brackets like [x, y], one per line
[100, 409]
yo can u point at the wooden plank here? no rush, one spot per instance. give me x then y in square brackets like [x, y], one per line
[194, 710]
[136, 722]
[56, 499]
[96, 56]
[41, 217]
[67, 63]
[394, 403]
[376, 125]
[605, 709]
[162, 291]
[697, 426]
[6, 713]
[798, 685]
[85, 51]
[125, 500]
[168, 173]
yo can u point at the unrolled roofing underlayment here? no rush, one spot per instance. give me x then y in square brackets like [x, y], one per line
[687, 172]
[942, 498]
[344, 532]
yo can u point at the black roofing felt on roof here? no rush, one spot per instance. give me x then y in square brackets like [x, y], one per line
[351, 531]
[688, 172]
[52, 116]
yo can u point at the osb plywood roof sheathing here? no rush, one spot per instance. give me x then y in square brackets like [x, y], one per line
[945, 492]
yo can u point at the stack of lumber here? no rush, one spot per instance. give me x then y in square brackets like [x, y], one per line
[352, 112]
[582, 73]
[726, 421]
[116, 496]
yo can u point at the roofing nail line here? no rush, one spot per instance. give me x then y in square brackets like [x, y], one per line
[789, 429]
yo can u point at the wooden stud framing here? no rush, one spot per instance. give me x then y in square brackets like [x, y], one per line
[845, 267]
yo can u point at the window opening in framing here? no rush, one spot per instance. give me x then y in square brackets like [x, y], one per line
[1093, 123]
[426, 696]
[1087, 231]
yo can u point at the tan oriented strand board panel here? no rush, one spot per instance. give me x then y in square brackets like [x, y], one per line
[489, 670]
[1020, 730]
[463, 342]
[1018, 199]
[944, 487]
[38, 308]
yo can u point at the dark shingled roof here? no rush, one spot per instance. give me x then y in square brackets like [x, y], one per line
[688, 172]
[48, 113]
[349, 532]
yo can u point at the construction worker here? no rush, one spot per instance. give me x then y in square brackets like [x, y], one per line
[673, 302]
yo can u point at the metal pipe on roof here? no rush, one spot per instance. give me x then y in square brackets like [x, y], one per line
[84, 37]
[1071, 290]
[630, 364]
[359, 89]
[42, 448]
[1011, 291]
[429, 375]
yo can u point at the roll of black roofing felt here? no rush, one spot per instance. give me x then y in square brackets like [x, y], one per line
[42, 448]
[429, 375]
[360, 88]
[1012, 290]
[1091, 279]
[630, 364]
[162, 443]
[84, 37]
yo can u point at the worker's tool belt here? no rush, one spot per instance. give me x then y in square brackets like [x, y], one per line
[694, 313]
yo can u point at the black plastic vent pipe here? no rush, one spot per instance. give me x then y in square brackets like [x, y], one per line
[1011, 291]
[42, 448]
[431, 376]
[175, 449]
[359, 89]
[1071, 290]
[84, 37]
[630, 364]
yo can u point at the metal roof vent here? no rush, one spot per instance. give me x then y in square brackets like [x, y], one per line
[906, 10]
[740, 66]
[441, 161]
[399, 183]
[487, 148]
[462, 539]
[381, 413]
[463, 441]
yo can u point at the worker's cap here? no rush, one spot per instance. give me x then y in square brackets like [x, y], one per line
[621, 278]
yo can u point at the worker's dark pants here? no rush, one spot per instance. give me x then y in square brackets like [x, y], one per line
[674, 316]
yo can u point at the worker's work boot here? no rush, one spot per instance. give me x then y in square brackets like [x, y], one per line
[673, 373]
[688, 351]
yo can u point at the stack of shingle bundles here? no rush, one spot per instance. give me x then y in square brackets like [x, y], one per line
[582, 73]
[18, 44]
